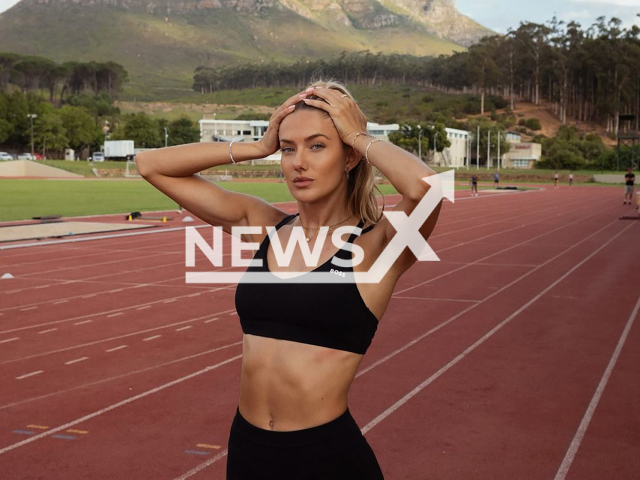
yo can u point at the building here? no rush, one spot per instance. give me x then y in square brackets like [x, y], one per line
[457, 154]
[522, 155]
[212, 130]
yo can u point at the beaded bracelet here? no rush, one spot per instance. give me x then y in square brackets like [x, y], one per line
[366, 152]
[231, 156]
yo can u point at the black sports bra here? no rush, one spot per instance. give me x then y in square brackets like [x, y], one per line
[329, 315]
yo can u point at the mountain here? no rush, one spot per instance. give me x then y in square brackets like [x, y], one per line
[160, 42]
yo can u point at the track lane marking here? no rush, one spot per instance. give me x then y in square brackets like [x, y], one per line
[489, 334]
[588, 415]
[116, 405]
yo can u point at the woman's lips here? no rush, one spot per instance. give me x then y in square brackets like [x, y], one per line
[303, 183]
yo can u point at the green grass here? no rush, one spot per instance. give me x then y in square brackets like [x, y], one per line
[24, 199]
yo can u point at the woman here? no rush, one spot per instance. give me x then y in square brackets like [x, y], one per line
[474, 184]
[303, 342]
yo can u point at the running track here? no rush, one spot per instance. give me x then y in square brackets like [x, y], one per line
[515, 357]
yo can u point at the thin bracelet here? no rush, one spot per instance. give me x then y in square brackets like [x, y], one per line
[366, 152]
[353, 144]
[231, 156]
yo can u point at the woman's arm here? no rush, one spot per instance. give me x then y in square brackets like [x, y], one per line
[404, 170]
[173, 171]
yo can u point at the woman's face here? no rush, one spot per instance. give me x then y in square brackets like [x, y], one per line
[311, 148]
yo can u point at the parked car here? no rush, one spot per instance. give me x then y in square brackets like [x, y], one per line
[5, 156]
[98, 157]
[26, 156]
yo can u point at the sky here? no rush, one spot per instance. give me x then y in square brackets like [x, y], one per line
[500, 15]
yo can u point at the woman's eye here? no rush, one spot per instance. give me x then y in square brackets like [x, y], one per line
[318, 145]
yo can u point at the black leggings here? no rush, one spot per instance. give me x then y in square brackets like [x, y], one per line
[332, 451]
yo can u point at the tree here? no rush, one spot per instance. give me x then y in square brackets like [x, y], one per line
[140, 128]
[81, 130]
[182, 131]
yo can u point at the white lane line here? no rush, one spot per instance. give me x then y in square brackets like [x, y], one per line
[184, 328]
[151, 338]
[99, 237]
[584, 424]
[41, 286]
[115, 314]
[562, 227]
[202, 466]
[119, 337]
[28, 308]
[10, 340]
[143, 308]
[82, 323]
[487, 298]
[194, 295]
[30, 375]
[116, 290]
[60, 301]
[117, 348]
[441, 299]
[116, 405]
[232, 313]
[170, 301]
[211, 320]
[50, 330]
[71, 362]
[485, 337]
[13, 291]
[123, 309]
[89, 296]
[110, 379]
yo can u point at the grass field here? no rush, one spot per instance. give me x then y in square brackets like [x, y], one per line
[24, 199]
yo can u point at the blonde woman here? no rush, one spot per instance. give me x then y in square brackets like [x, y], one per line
[303, 342]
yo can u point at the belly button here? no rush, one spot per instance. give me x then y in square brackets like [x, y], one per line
[271, 423]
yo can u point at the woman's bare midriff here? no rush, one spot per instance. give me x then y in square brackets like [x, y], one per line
[287, 386]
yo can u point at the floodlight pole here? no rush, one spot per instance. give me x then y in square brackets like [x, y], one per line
[31, 116]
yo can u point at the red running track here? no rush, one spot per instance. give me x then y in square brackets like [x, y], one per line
[515, 357]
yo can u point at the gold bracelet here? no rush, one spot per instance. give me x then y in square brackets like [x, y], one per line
[366, 152]
[353, 144]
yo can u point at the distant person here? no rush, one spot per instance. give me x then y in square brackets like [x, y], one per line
[496, 180]
[556, 177]
[630, 179]
[474, 185]
[570, 179]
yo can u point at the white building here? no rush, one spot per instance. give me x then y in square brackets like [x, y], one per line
[457, 154]
[522, 155]
[212, 130]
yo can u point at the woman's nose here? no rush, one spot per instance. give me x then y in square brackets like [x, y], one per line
[299, 160]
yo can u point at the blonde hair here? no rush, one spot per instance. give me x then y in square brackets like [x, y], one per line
[360, 189]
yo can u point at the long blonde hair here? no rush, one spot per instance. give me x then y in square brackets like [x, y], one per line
[361, 187]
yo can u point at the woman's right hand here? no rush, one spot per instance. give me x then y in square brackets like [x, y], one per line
[270, 142]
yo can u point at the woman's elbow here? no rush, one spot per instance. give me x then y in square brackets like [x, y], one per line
[142, 164]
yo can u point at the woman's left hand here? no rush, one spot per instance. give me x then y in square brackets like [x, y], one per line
[345, 113]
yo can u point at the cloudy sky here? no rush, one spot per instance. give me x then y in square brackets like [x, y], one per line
[499, 15]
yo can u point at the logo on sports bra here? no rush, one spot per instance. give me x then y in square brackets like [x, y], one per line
[337, 272]
[407, 235]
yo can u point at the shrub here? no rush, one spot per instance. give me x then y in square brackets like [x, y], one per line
[533, 124]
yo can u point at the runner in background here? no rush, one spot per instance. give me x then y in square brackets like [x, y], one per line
[496, 180]
[570, 179]
[474, 185]
[630, 179]
[555, 180]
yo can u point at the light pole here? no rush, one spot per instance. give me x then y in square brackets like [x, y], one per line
[166, 137]
[31, 116]
[419, 142]
[433, 129]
